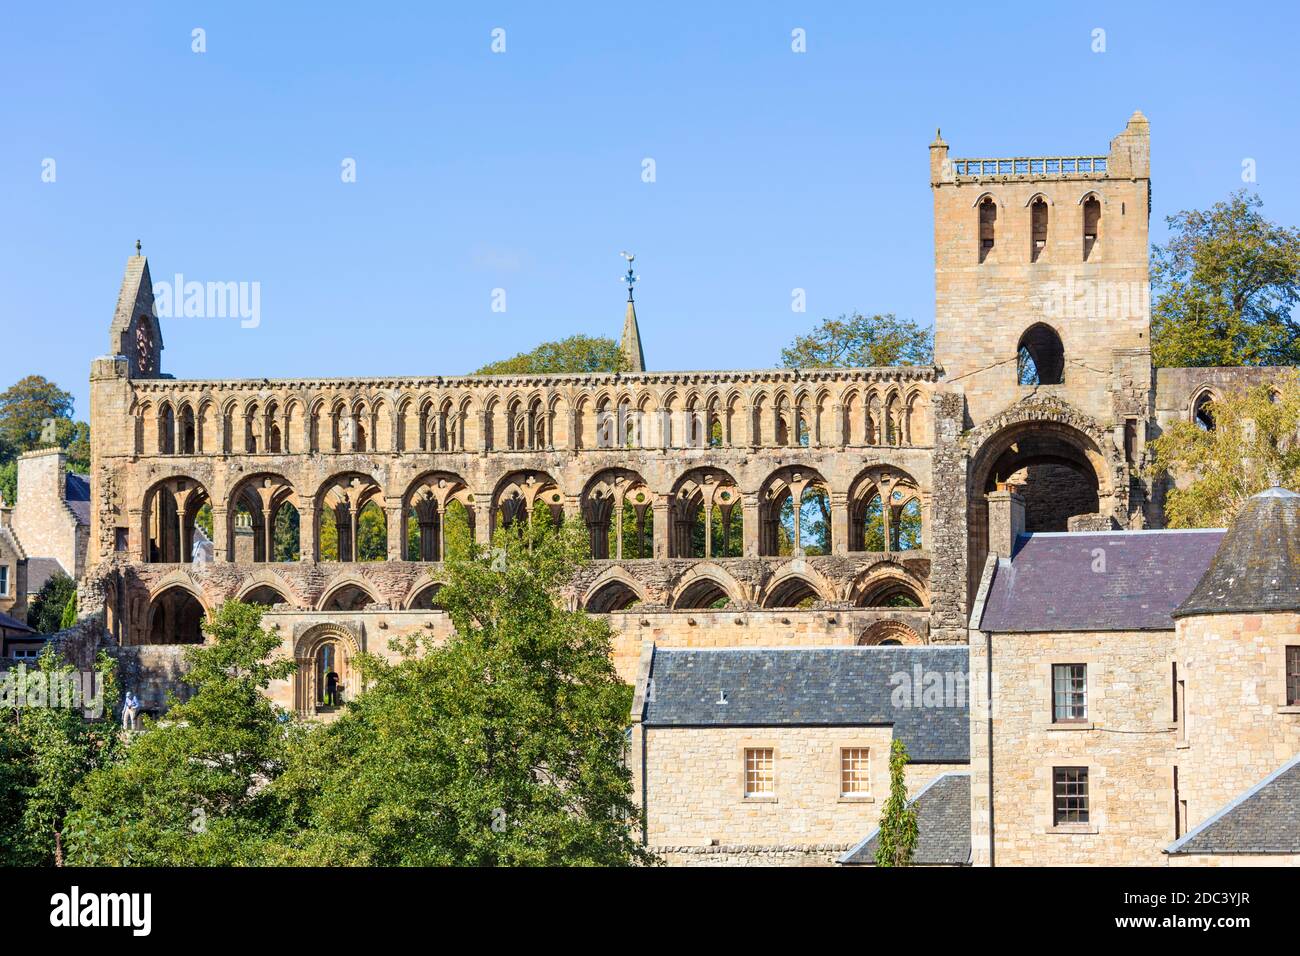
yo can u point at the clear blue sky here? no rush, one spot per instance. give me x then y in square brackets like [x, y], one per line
[522, 170]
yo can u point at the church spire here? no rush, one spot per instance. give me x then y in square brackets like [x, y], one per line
[633, 356]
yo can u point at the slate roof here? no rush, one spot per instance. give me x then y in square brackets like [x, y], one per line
[1097, 581]
[77, 496]
[40, 570]
[943, 825]
[8, 623]
[1263, 820]
[828, 686]
[1257, 567]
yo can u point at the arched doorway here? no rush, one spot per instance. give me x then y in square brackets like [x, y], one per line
[325, 680]
[1058, 468]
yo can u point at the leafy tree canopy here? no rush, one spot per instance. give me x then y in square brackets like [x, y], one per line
[45, 752]
[1224, 286]
[192, 790]
[861, 341]
[1252, 444]
[503, 747]
[577, 353]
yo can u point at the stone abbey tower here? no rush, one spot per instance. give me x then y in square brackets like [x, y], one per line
[771, 507]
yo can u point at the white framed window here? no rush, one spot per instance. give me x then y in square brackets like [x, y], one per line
[855, 766]
[4, 580]
[760, 776]
[1069, 693]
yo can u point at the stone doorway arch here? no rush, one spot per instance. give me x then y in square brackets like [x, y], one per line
[322, 650]
[1073, 459]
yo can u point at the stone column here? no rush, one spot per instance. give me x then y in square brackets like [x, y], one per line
[306, 532]
[221, 535]
[839, 523]
[661, 523]
[750, 529]
[483, 519]
[948, 545]
[394, 525]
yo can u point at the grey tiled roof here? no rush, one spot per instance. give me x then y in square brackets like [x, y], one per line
[40, 570]
[1263, 820]
[827, 686]
[942, 821]
[9, 623]
[1257, 567]
[1097, 581]
[78, 496]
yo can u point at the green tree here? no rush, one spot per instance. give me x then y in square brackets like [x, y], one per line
[25, 406]
[1224, 286]
[505, 746]
[9, 482]
[46, 611]
[48, 751]
[861, 341]
[69, 617]
[896, 844]
[1252, 444]
[192, 790]
[577, 353]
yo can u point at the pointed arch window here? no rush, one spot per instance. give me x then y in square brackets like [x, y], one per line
[1038, 228]
[1091, 226]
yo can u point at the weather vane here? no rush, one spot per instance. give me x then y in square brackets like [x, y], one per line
[631, 277]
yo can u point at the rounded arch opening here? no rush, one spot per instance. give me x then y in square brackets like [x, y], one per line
[426, 599]
[265, 595]
[176, 617]
[888, 634]
[703, 594]
[613, 595]
[1040, 356]
[347, 597]
[793, 592]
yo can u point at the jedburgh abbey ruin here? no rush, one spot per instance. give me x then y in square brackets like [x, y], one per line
[931, 476]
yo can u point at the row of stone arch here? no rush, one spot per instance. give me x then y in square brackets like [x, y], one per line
[712, 588]
[888, 414]
[704, 514]
[175, 610]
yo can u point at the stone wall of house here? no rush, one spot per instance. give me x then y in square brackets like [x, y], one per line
[695, 793]
[1126, 742]
[41, 516]
[791, 855]
[1239, 728]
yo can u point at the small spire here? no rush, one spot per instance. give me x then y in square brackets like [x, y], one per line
[631, 341]
[137, 247]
